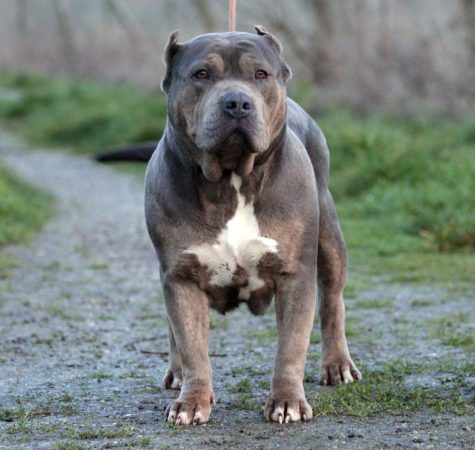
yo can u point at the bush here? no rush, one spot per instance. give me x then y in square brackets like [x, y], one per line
[419, 175]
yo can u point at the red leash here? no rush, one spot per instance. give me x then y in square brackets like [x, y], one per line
[232, 15]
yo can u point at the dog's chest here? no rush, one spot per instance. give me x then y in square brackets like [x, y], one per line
[234, 258]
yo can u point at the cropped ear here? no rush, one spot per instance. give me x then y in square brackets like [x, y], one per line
[262, 31]
[171, 50]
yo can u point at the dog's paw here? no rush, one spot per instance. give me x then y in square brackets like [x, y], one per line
[285, 410]
[173, 379]
[337, 369]
[191, 409]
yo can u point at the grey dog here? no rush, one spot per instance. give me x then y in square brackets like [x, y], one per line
[238, 209]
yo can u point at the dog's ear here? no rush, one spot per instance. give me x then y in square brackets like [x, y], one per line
[262, 31]
[171, 50]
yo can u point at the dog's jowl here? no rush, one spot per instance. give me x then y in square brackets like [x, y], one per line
[238, 209]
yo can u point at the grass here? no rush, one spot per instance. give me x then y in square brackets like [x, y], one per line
[413, 174]
[60, 311]
[248, 402]
[374, 303]
[88, 117]
[450, 330]
[218, 321]
[385, 392]
[242, 386]
[10, 414]
[24, 209]
[89, 433]
[69, 445]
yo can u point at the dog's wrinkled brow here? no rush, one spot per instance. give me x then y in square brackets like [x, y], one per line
[246, 44]
[215, 61]
[249, 61]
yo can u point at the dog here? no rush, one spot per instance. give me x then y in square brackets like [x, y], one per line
[238, 209]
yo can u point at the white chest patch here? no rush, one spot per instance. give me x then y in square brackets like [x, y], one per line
[239, 243]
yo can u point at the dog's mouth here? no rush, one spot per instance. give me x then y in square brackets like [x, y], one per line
[233, 148]
[230, 144]
[233, 154]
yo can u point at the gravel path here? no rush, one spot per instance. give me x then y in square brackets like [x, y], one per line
[84, 344]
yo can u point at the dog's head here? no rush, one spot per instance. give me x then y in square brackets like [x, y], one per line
[226, 97]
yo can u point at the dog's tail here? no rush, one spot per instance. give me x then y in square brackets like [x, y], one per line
[141, 152]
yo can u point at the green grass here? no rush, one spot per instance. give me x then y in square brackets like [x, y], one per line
[87, 117]
[68, 445]
[248, 402]
[374, 303]
[452, 331]
[89, 433]
[415, 174]
[218, 321]
[23, 211]
[20, 414]
[386, 392]
[242, 386]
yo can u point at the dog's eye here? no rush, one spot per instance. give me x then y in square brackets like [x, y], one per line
[201, 75]
[261, 75]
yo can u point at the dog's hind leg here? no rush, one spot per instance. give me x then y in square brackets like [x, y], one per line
[173, 379]
[337, 365]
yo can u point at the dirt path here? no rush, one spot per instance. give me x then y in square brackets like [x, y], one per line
[83, 339]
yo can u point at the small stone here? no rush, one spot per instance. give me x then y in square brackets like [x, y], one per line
[417, 440]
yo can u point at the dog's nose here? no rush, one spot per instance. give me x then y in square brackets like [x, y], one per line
[236, 104]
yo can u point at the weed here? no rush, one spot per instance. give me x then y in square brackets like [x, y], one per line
[218, 321]
[101, 375]
[315, 337]
[11, 414]
[246, 370]
[451, 330]
[98, 266]
[421, 303]
[242, 386]
[384, 392]
[373, 303]
[247, 402]
[263, 335]
[69, 445]
[133, 443]
[88, 433]
[58, 310]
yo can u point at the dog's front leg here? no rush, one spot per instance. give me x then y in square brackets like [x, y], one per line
[295, 308]
[187, 308]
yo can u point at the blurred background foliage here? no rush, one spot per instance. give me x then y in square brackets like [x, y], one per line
[366, 54]
[391, 83]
